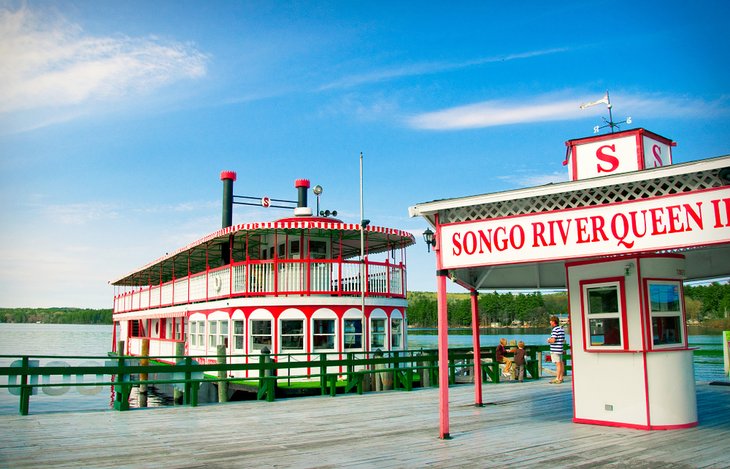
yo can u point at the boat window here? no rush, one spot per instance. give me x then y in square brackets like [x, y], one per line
[292, 334]
[223, 333]
[377, 333]
[317, 249]
[323, 334]
[238, 335]
[603, 315]
[666, 313]
[260, 334]
[396, 332]
[135, 332]
[353, 334]
[196, 332]
[212, 334]
[201, 333]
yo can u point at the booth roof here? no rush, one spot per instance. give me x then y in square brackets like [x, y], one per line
[703, 263]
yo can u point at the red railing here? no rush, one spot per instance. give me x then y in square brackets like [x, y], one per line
[271, 278]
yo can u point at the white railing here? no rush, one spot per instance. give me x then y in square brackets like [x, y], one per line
[269, 278]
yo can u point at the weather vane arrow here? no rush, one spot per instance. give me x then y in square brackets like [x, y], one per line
[609, 123]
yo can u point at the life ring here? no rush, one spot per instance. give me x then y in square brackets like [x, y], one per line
[217, 283]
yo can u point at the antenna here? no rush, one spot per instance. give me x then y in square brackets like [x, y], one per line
[608, 123]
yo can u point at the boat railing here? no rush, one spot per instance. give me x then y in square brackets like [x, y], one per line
[271, 278]
[26, 375]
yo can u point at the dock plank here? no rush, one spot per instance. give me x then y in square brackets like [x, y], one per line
[524, 424]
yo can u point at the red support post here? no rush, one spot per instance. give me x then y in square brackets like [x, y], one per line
[443, 341]
[477, 349]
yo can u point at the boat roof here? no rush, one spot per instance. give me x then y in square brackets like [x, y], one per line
[195, 255]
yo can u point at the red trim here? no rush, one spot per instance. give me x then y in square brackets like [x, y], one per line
[622, 314]
[634, 426]
[574, 162]
[228, 175]
[623, 133]
[301, 183]
[649, 346]
[643, 318]
[634, 256]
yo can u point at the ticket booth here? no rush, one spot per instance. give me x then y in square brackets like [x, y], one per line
[631, 363]
[622, 235]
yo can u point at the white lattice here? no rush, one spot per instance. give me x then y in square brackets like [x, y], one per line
[585, 198]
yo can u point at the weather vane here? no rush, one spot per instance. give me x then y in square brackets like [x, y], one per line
[608, 123]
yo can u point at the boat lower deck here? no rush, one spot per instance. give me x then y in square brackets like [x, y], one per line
[522, 425]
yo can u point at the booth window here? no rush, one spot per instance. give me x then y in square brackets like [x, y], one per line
[396, 333]
[260, 334]
[603, 315]
[292, 334]
[666, 313]
[377, 333]
[324, 334]
[353, 334]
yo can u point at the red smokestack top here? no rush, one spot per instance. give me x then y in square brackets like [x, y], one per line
[301, 183]
[228, 175]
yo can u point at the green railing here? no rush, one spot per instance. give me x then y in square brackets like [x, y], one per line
[356, 372]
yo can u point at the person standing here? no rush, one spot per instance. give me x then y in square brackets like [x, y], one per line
[557, 343]
[519, 361]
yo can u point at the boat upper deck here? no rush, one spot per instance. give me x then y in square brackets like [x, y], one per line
[293, 256]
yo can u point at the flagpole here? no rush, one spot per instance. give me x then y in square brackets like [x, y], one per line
[362, 264]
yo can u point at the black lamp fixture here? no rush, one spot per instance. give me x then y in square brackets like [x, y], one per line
[364, 223]
[429, 238]
[317, 191]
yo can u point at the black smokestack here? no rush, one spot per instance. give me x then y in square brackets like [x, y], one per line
[227, 219]
[227, 177]
[302, 185]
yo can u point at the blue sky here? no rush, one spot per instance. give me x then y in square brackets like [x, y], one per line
[116, 118]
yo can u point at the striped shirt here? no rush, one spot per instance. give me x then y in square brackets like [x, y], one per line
[559, 335]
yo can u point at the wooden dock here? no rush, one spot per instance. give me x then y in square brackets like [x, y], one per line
[523, 425]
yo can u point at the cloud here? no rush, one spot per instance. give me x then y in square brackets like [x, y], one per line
[48, 63]
[532, 180]
[79, 213]
[558, 107]
[427, 69]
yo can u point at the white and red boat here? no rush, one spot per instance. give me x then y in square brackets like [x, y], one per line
[303, 285]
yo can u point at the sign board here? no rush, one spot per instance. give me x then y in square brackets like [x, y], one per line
[615, 153]
[697, 218]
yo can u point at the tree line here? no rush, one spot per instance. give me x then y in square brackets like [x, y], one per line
[56, 315]
[704, 304]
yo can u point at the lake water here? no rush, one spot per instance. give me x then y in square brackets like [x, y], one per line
[60, 340]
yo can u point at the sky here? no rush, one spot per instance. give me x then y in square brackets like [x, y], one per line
[117, 118]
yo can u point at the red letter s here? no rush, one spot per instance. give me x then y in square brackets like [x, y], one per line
[657, 156]
[610, 159]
